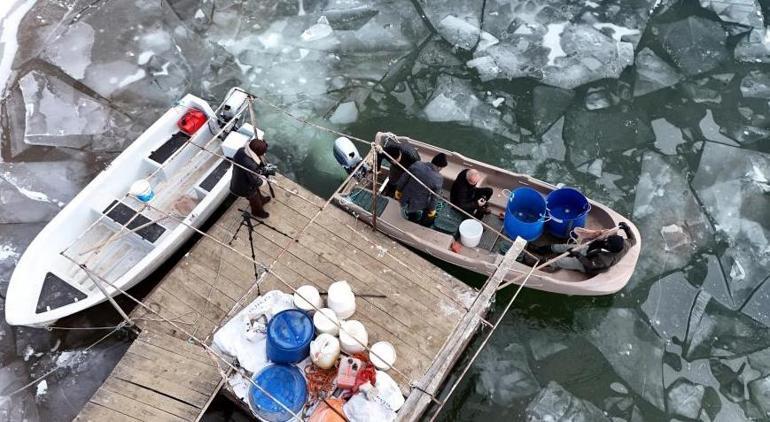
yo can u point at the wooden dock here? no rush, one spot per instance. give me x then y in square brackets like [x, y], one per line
[428, 315]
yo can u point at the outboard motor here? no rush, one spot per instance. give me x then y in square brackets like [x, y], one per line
[348, 156]
[235, 103]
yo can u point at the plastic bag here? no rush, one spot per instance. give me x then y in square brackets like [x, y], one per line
[360, 409]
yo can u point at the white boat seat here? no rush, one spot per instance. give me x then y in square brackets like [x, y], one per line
[57, 293]
[122, 213]
[168, 148]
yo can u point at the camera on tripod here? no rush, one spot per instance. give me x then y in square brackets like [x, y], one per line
[268, 169]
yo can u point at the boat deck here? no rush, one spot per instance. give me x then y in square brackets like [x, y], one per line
[428, 315]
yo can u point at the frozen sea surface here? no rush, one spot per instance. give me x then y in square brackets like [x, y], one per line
[658, 109]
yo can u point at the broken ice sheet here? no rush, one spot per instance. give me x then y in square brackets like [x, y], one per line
[556, 404]
[695, 44]
[668, 306]
[505, 374]
[58, 115]
[668, 216]
[454, 100]
[685, 399]
[732, 184]
[631, 347]
[712, 132]
[34, 192]
[667, 136]
[756, 85]
[716, 331]
[745, 13]
[652, 73]
[587, 132]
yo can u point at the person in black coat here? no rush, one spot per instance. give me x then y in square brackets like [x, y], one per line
[404, 153]
[598, 257]
[245, 182]
[467, 196]
[419, 202]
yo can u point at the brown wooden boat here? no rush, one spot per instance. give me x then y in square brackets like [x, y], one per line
[356, 198]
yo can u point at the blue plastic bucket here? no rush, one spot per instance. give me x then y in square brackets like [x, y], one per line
[525, 214]
[284, 383]
[569, 209]
[288, 336]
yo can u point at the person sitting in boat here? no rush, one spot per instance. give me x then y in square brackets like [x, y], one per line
[247, 177]
[599, 256]
[466, 194]
[404, 153]
[419, 203]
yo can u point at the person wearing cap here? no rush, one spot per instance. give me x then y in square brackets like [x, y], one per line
[599, 256]
[247, 178]
[420, 203]
[466, 194]
[402, 152]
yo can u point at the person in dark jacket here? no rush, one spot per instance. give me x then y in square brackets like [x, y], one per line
[404, 153]
[598, 257]
[466, 195]
[245, 182]
[419, 203]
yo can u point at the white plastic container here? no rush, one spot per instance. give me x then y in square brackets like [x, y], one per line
[324, 351]
[341, 299]
[308, 299]
[326, 325]
[142, 190]
[351, 331]
[470, 233]
[382, 355]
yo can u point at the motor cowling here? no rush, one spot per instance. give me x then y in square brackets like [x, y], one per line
[346, 154]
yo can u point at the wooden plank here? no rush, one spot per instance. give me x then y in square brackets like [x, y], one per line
[127, 405]
[93, 412]
[171, 371]
[148, 378]
[151, 398]
[418, 401]
[184, 349]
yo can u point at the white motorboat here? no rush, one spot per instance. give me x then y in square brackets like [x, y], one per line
[119, 238]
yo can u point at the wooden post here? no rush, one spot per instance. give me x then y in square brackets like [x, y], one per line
[374, 186]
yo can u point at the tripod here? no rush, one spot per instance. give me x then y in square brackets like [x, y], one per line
[247, 221]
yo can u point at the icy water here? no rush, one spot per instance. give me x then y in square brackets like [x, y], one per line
[659, 109]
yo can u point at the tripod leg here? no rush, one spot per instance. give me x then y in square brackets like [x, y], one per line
[250, 226]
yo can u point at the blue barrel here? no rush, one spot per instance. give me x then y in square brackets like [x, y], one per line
[525, 214]
[283, 383]
[569, 209]
[288, 336]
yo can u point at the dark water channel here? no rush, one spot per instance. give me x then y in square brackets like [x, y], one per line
[659, 109]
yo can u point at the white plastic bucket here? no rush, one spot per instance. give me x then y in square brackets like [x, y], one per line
[142, 190]
[341, 299]
[325, 322]
[324, 351]
[383, 355]
[351, 331]
[470, 233]
[307, 298]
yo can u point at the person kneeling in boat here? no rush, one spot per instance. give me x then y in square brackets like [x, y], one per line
[419, 203]
[247, 176]
[402, 152]
[467, 196]
[599, 256]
